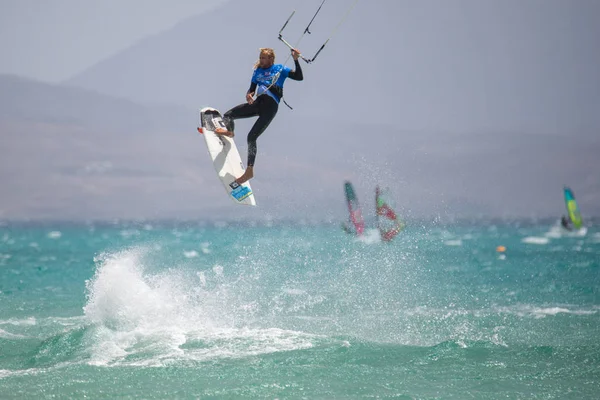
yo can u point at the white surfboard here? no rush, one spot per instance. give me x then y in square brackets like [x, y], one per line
[225, 156]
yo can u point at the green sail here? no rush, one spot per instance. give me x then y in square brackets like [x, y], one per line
[572, 208]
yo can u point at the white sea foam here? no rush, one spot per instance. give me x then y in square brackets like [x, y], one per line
[542, 312]
[128, 233]
[190, 253]
[555, 232]
[294, 292]
[68, 321]
[31, 321]
[204, 248]
[370, 236]
[143, 318]
[521, 310]
[244, 342]
[218, 270]
[7, 335]
[535, 240]
[5, 373]
[54, 235]
[453, 242]
[202, 278]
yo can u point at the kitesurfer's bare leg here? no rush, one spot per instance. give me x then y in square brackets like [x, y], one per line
[248, 174]
[224, 132]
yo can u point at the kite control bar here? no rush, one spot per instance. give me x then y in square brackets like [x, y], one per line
[306, 30]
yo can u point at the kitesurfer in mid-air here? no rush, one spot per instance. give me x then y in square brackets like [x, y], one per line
[267, 84]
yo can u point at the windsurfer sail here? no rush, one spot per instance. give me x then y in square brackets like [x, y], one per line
[356, 223]
[572, 208]
[388, 223]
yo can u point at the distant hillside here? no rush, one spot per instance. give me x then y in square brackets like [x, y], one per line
[73, 153]
[26, 100]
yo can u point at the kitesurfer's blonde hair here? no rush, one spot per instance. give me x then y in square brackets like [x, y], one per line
[265, 51]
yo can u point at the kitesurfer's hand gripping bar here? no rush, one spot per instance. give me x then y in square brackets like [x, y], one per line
[292, 48]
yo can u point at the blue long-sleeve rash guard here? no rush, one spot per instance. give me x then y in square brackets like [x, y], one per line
[262, 79]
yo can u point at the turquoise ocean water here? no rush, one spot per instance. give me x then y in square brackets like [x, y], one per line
[184, 310]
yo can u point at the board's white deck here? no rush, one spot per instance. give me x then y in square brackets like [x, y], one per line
[226, 159]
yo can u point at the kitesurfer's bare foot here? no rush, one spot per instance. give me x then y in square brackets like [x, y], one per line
[224, 132]
[248, 174]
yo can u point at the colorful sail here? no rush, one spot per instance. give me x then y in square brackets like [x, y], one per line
[387, 220]
[572, 208]
[356, 218]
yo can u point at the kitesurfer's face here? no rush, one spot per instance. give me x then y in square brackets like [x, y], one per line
[266, 60]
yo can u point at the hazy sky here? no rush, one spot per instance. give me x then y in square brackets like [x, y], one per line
[50, 40]
[460, 90]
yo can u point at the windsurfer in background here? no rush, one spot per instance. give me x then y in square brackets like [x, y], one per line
[267, 84]
[346, 227]
[564, 221]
